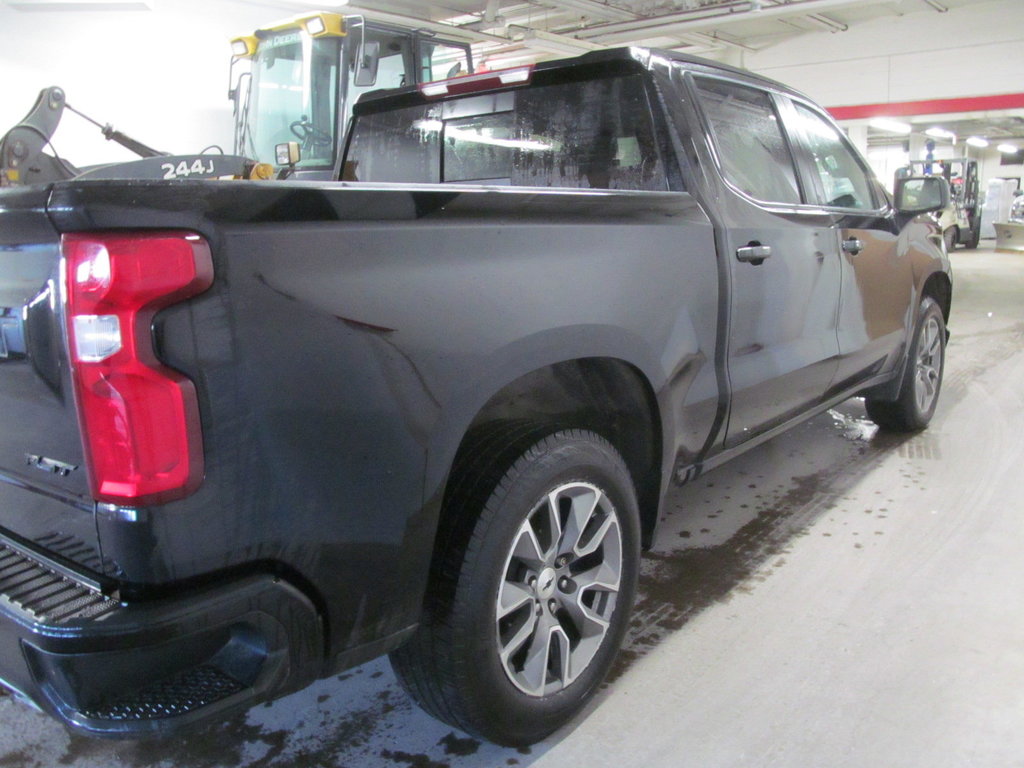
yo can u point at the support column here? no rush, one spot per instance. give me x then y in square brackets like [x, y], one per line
[917, 141]
[859, 136]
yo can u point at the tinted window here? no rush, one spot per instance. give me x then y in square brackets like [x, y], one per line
[749, 141]
[480, 148]
[593, 134]
[844, 182]
[396, 146]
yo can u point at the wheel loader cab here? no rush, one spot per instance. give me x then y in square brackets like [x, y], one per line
[304, 75]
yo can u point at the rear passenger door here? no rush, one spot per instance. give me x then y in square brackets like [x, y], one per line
[781, 260]
[876, 303]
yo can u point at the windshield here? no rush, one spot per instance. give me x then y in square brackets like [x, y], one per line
[294, 97]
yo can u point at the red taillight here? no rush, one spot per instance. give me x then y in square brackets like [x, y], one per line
[139, 418]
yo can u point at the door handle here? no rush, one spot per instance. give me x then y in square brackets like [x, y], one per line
[754, 253]
[853, 246]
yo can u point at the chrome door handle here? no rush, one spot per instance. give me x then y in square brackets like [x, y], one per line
[754, 253]
[853, 246]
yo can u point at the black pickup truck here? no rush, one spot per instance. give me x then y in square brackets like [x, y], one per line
[254, 433]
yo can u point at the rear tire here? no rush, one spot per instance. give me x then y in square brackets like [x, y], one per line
[528, 604]
[919, 389]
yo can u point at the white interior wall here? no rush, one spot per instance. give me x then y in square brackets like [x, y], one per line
[969, 51]
[160, 76]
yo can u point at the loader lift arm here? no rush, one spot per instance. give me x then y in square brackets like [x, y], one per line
[22, 159]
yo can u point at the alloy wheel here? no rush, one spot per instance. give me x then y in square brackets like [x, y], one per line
[928, 365]
[559, 589]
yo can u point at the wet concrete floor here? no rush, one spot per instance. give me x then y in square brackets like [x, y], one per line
[836, 597]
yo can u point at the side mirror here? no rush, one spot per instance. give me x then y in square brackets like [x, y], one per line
[921, 194]
[366, 64]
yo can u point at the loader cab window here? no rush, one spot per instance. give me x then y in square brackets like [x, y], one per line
[394, 67]
[294, 97]
[439, 61]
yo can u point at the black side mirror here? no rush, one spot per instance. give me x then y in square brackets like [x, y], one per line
[366, 64]
[921, 194]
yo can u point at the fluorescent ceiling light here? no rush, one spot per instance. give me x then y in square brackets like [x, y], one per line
[1008, 149]
[467, 134]
[890, 125]
[53, 7]
[474, 137]
[977, 141]
[940, 133]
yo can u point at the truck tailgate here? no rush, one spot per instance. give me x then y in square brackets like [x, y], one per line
[44, 497]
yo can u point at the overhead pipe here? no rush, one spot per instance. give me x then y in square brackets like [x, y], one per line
[709, 17]
[597, 9]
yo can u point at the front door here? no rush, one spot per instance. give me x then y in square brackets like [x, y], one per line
[782, 263]
[877, 303]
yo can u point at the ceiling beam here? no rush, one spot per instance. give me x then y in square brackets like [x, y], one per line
[709, 17]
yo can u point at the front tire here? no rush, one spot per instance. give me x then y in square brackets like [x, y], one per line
[975, 236]
[952, 237]
[524, 616]
[915, 404]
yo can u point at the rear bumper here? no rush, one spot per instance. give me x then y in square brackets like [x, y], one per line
[107, 668]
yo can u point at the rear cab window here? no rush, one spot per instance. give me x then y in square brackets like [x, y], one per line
[590, 134]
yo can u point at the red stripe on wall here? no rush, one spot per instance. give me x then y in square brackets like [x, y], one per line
[929, 107]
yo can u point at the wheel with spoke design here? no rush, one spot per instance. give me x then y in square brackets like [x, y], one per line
[560, 589]
[531, 594]
[919, 390]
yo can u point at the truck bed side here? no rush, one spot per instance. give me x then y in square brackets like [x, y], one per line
[352, 335]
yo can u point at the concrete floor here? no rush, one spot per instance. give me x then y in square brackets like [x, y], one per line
[834, 598]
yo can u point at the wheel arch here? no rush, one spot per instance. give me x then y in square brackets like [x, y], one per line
[605, 395]
[939, 287]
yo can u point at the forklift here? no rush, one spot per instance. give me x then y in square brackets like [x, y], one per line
[961, 220]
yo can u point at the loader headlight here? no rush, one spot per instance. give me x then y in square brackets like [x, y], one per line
[316, 26]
